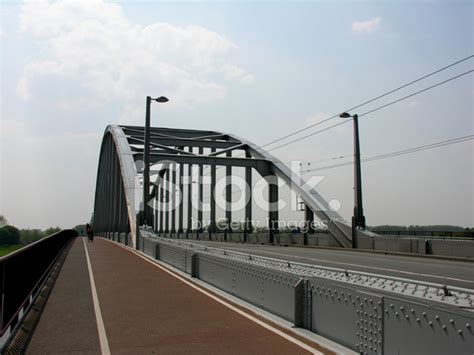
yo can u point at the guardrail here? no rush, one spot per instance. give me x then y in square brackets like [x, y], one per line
[369, 313]
[23, 272]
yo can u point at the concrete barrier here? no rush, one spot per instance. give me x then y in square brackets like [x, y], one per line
[327, 240]
[365, 242]
[262, 237]
[460, 248]
[392, 244]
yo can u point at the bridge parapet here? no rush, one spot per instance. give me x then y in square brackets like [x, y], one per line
[22, 277]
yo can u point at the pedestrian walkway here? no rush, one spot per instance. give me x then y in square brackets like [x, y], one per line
[143, 308]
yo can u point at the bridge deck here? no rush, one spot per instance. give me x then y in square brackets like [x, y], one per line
[146, 309]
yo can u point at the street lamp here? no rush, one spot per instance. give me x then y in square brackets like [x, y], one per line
[147, 216]
[358, 219]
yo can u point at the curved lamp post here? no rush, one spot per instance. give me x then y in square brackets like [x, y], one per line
[147, 215]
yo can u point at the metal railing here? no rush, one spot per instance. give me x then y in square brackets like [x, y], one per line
[23, 272]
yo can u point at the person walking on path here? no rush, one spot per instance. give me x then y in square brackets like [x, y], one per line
[90, 232]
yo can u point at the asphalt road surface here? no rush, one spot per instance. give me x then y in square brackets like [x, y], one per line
[441, 271]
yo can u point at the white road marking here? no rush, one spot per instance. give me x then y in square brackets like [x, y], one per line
[228, 305]
[104, 344]
[358, 265]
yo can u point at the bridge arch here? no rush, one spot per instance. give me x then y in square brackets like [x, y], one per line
[117, 208]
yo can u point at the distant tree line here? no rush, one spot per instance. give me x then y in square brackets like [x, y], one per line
[10, 235]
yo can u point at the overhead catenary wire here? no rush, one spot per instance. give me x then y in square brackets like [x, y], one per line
[416, 93]
[398, 153]
[371, 100]
[373, 110]
[322, 160]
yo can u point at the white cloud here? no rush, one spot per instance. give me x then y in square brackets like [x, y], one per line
[106, 57]
[366, 26]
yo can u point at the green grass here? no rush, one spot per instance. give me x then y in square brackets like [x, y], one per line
[7, 249]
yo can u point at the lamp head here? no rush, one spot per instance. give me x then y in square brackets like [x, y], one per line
[161, 99]
[344, 115]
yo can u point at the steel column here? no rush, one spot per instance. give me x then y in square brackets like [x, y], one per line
[181, 199]
[167, 201]
[162, 208]
[309, 223]
[273, 206]
[200, 193]
[173, 199]
[228, 195]
[189, 224]
[212, 227]
[248, 196]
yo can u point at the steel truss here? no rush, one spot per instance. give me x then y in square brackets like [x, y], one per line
[117, 209]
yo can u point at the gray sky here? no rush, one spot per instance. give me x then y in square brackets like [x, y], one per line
[259, 70]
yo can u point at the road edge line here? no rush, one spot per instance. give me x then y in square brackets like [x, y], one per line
[104, 343]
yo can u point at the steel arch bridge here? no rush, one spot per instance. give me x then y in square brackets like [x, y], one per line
[118, 203]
